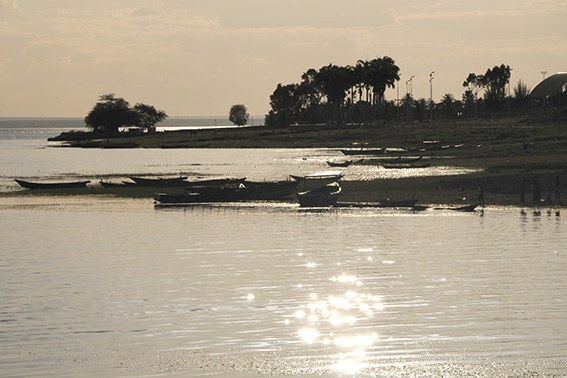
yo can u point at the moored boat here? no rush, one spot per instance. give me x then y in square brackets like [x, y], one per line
[323, 196]
[345, 163]
[160, 181]
[215, 181]
[52, 185]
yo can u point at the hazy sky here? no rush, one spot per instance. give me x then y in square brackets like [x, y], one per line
[199, 57]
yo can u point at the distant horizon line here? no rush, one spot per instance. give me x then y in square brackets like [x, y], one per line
[78, 117]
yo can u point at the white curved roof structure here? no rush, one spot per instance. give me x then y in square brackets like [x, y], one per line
[550, 86]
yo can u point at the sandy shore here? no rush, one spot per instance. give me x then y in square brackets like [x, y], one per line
[502, 154]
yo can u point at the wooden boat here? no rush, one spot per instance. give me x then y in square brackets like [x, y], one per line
[271, 190]
[324, 196]
[324, 176]
[122, 184]
[202, 195]
[217, 181]
[160, 181]
[345, 163]
[466, 208]
[52, 185]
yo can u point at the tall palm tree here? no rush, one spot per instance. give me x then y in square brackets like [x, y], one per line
[333, 81]
[381, 73]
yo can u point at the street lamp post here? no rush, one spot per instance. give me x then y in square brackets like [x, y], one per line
[411, 85]
[543, 73]
[431, 95]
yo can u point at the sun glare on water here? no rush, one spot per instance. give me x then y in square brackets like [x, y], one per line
[329, 321]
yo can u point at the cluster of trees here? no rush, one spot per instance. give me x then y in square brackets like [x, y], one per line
[335, 94]
[112, 113]
[355, 94]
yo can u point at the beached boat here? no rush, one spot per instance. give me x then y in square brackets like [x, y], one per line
[202, 195]
[322, 177]
[160, 181]
[122, 184]
[52, 185]
[466, 208]
[271, 190]
[397, 203]
[345, 163]
[323, 196]
[215, 181]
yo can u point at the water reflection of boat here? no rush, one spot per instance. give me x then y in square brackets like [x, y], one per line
[323, 196]
[52, 185]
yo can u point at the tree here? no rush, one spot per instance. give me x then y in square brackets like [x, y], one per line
[239, 115]
[333, 81]
[111, 113]
[521, 93]
[381, 73]
[148, 116]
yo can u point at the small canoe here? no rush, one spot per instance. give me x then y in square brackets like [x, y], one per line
[160, 181]
[324, 196]
[466, 208]
[123, 184]
[52, 185]
[344, 164]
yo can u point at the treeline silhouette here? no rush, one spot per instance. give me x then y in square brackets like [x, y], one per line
[341, 95]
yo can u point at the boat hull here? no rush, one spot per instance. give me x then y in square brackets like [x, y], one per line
[52, 185]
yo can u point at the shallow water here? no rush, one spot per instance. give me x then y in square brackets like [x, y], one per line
[25, 153]
[112, 287]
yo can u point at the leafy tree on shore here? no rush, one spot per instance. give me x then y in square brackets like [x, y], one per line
[111, 113]
[148, 116]
[239, 115]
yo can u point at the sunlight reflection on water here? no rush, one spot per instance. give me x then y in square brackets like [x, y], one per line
[328, 320]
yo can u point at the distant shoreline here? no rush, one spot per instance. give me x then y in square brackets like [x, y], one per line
[78, 123]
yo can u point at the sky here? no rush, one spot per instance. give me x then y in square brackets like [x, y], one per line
[200, 57]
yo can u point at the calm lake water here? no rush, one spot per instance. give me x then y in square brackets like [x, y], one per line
[100, 287]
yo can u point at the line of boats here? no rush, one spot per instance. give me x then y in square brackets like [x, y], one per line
[320, 189]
